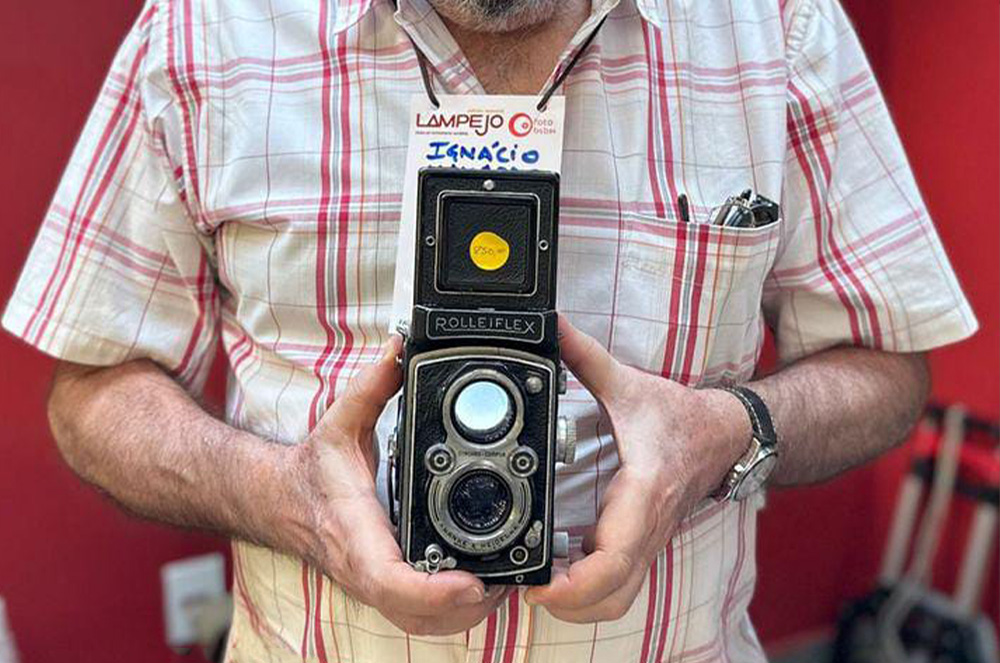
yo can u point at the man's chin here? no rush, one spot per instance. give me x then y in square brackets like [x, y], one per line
[496, 16]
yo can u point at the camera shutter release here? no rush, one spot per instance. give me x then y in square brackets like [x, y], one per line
[483, 411]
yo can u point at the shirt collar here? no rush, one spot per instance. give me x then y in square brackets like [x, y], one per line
[349, 12]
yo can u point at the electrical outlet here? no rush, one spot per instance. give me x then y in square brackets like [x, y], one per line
[8, 653]
[189, 584]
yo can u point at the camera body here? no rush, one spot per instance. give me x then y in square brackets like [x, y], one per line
[478, 436]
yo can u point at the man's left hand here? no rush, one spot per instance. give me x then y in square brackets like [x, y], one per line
[675, 445]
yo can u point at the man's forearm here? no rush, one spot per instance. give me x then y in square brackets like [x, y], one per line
[842, 407]
[134, 433]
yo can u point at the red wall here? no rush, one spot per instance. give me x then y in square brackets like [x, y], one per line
[939, 66]
[82, 580]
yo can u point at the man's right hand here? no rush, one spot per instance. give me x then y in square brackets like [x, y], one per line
[355, 543]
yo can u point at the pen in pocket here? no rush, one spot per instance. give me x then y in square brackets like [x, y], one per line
[684, 208]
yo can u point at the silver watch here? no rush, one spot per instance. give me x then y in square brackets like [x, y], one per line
[752, 470]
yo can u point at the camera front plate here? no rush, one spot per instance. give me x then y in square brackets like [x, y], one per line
[434, 378]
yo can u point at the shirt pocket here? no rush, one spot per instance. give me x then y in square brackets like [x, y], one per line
[692, 295]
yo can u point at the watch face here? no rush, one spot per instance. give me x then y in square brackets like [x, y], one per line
[756, 476]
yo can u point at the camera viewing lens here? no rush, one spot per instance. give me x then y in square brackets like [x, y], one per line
[480, 502]
[483, 411]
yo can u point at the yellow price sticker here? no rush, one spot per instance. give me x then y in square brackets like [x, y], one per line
[489, 251]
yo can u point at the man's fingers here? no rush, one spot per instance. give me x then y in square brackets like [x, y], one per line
[625, 522]
[401, 589]
[612, 607]
[590, 362]
[455, 620]
[382, 579]
[588, 581]
[617, 545]
[359, 407]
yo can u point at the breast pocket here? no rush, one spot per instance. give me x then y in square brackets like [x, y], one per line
[692, 294]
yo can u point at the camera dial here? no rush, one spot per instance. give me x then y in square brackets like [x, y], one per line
[439, 459]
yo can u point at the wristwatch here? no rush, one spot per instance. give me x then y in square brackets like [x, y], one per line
[751, 471]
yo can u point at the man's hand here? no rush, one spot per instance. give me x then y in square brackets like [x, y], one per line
[356, 546]
[131, 430]
[675, 445]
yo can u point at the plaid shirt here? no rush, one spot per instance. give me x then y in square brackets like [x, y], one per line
[241, 177]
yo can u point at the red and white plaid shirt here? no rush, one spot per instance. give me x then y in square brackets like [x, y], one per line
[242, 172]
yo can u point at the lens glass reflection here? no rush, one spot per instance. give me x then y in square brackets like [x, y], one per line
[483, 411]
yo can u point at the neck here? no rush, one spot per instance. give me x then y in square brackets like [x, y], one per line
[519, 62]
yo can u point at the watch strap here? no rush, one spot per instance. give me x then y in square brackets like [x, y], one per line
[760, 415]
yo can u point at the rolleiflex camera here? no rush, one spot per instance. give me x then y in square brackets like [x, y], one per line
[478, 436]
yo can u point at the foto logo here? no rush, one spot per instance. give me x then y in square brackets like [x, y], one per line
[521, 124]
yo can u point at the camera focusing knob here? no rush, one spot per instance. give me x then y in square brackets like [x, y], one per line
[435, 560]
[560, 544]
[565, 440]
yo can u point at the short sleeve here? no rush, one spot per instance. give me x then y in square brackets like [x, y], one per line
[118, 270]
[860, 262]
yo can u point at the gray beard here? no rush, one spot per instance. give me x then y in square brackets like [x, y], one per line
[496, 15]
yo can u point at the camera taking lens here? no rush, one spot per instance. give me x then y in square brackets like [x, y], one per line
[480, 501]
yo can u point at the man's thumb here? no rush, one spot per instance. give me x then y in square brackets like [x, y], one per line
[590, 362]
[368, 392]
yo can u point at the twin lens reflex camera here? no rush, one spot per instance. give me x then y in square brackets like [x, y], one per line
[472, 460]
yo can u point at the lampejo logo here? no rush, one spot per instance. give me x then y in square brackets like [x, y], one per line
[478, 123]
